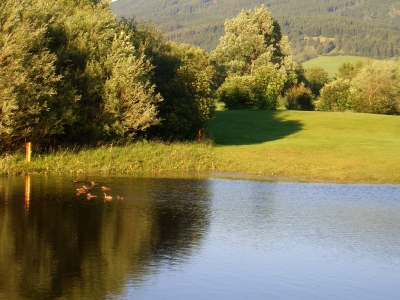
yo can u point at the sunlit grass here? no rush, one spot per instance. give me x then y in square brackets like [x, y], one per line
[313, 145]
[346, 147]
[154, 157]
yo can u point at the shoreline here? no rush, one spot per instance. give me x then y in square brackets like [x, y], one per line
[213, 175]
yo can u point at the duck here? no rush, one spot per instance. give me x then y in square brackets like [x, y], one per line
[93, 183]
[74, 180]
[106, 197]
[120, 197]
[81, 190]
[90, 196]
[104, 188]
[86, 187]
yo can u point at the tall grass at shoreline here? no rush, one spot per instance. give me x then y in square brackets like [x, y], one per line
[153, 157]
[345, 147]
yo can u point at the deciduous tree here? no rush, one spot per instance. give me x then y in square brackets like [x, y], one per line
[376, 89]
[316, 78]
[254, 46]
[335, 95]
[252, 39]
[28, 78]
[183, 75]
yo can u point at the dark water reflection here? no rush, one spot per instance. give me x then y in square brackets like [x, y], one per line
[58, 244]
[198, 238]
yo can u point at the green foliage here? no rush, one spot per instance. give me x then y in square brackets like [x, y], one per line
[347, 70]
[246, 38]
[270, 83]
[28, 78]
[238, 92]
[75, 76]
[252, 39]
[130, 104]
[183, 75]
[299, 97]
[106, 82]
[253, 48]
[376, 89]
[316, 78]
[335, 95]
[72, 74]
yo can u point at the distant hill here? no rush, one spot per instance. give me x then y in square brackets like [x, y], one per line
[367, 28]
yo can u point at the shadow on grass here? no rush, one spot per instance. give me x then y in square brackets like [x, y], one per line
[246, 127]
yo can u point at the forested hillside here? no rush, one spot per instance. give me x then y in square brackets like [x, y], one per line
[354, 27]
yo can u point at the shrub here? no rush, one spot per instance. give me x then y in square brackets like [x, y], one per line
[376, 89]
[316, 78]
[334, 95]
[299, 97]
[237, 92]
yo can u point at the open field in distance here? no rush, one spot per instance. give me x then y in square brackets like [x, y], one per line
[332, 63]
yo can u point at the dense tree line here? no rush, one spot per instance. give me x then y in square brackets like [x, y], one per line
[72, 74]
[345, 36]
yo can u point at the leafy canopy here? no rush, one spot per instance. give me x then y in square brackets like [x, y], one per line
[252, 39]
[256, 60]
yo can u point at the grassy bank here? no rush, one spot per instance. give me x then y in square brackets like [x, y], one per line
[154, 157]
[311, 145]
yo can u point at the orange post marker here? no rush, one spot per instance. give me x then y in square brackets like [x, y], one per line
[28, 152]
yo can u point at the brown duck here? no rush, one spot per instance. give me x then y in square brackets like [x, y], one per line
[90, 196]
[106, 197]
[104, 188]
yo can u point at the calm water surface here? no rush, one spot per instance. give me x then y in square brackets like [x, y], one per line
[198, 238]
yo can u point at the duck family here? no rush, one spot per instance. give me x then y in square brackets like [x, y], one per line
[84, 190]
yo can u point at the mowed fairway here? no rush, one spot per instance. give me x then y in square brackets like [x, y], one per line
[308, 145]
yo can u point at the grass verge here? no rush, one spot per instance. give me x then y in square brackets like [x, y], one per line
[141, 157]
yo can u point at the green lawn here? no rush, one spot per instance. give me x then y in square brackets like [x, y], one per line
[331, 63]
[313, 145]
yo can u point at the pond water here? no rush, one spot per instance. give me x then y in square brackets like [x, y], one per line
[198, 238]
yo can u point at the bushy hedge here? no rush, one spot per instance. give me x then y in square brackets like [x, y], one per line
[315, 79]
[376, 89]
[299, 97]
[238, 92]
[334, 96]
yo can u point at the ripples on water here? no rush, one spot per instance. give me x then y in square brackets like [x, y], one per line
[201, 239]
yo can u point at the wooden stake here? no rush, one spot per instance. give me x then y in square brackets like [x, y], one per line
[28, 152]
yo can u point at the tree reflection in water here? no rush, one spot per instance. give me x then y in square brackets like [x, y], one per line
[57, 244]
